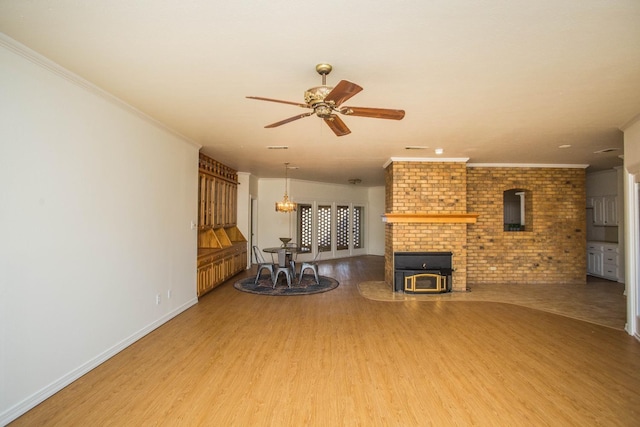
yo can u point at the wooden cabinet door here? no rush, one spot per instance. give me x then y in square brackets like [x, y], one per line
[232, 200]
[205, 278]
[220, 205]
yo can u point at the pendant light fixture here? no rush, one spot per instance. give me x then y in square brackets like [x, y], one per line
[286, 205]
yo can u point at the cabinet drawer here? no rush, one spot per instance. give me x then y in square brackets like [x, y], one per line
[610, 248]
[610, 258]
[610, 271]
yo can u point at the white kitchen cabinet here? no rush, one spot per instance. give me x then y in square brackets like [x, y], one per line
[595, 259]
[605, 223]
[610, 210]
[598, 210]
[605, 210]
[610, 262]
[603, 260]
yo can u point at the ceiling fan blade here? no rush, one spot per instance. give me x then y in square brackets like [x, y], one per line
[290, 119]
[341, 92]
[337, 125]
[376, 113]
[259, 98]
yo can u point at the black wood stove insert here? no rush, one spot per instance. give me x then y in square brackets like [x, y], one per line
[422, 272]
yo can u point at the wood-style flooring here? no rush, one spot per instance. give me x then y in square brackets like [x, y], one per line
[338, 358]
[601, 301]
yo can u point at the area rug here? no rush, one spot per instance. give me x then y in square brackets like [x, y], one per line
[305, 287]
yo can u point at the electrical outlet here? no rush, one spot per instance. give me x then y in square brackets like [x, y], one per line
[169, 294]
[157, 299]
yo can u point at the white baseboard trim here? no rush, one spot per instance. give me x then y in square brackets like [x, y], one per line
[30, 402]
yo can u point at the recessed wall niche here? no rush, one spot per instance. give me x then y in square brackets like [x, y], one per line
[517, 211]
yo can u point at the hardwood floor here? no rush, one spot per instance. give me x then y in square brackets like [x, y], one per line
[337, 358]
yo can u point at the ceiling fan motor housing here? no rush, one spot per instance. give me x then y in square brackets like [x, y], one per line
[316, 95]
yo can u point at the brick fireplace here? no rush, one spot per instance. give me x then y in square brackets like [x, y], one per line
[426, 211]
[451, 206]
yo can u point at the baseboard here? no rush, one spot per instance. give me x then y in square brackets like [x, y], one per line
[30, 402]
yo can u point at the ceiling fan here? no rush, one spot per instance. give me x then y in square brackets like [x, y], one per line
[326, 101]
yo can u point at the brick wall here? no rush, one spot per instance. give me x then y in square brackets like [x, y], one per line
[551, 249]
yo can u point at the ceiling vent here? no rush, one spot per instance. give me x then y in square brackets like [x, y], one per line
[606, 150]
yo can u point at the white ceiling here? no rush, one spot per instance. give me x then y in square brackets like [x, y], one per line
[498, 81]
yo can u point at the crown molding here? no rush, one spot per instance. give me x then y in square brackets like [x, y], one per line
[527, 165]
[630, 122]
[482, 165]
[54, 68]
[426, 159]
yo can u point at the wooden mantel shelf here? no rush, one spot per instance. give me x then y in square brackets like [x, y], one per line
[466, 218]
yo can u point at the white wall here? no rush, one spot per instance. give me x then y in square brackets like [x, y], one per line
[272, 225]
[632, 147]
[376, 228]
[96, 204]
[602, 183]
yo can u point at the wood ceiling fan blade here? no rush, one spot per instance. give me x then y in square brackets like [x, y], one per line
[341, 92]
[290, 119]
[259, 98]
[337, 125]
[376, 113]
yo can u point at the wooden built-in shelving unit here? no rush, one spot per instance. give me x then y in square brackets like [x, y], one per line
[222, 249]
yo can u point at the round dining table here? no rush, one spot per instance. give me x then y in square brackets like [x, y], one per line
[289, 250]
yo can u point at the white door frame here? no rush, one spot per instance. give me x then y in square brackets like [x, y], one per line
[632, 251]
